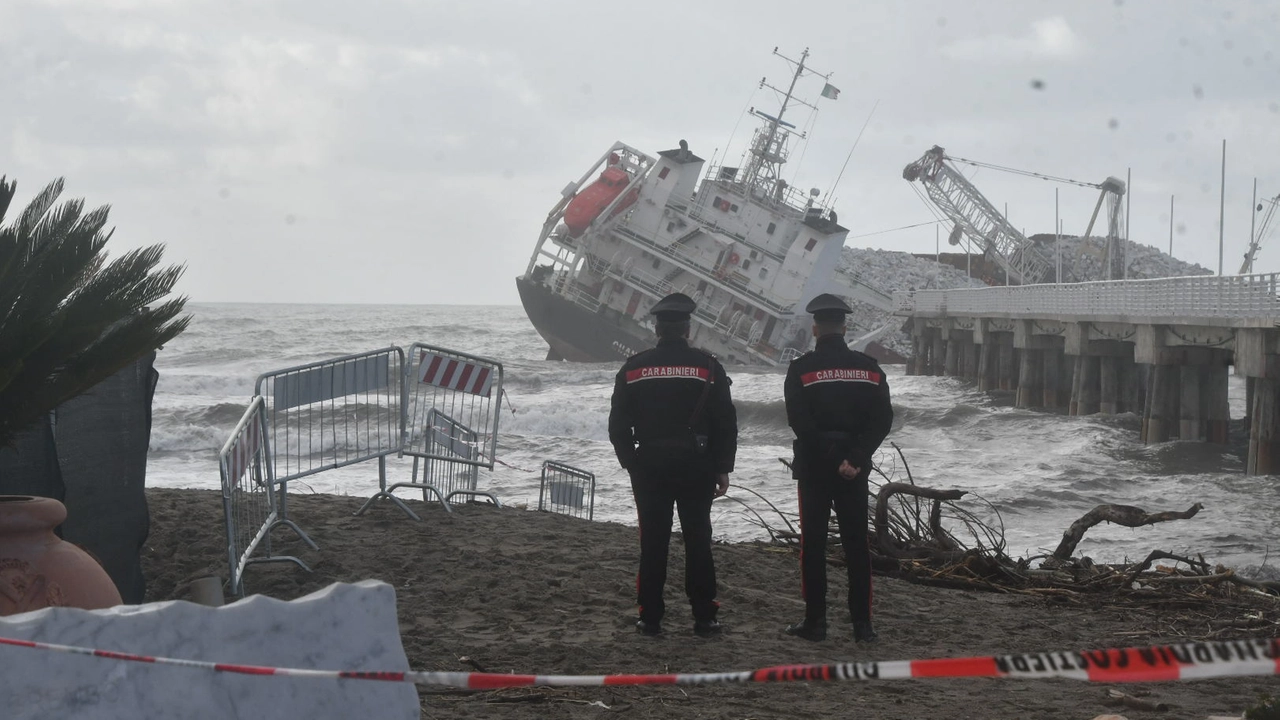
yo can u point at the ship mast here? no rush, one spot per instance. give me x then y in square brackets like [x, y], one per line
[769, 149]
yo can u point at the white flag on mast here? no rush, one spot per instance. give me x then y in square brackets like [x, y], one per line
[830, 91]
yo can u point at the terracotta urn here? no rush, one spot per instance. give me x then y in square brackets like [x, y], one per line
[38, 569]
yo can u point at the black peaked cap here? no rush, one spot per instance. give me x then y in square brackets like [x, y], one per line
[827, 308]
[676, 307]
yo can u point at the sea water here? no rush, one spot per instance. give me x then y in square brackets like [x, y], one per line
[1030, 472]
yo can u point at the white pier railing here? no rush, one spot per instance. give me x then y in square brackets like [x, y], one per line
[1232, 300]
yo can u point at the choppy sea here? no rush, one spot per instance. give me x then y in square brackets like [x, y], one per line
[1031, 472]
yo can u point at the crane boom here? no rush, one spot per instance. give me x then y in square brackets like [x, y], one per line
[982, 227]
[1256, 242]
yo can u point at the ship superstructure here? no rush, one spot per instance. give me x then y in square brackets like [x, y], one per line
[748, 247]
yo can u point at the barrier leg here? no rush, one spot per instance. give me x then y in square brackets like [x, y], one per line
[283, 519]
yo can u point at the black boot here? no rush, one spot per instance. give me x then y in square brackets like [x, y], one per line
[648, 628]
[813, 630]
[863, 632]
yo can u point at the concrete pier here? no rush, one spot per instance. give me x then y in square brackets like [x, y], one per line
[1162, 348]
[1177, 385]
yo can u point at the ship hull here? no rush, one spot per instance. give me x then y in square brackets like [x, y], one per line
[575, 333]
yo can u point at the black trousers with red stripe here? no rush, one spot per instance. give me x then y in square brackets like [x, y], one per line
[819, 492]
[656, 491]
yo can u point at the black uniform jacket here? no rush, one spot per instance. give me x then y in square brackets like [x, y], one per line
[837, 404]
[654, 396]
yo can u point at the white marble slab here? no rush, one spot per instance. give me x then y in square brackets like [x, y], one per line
[342, 627]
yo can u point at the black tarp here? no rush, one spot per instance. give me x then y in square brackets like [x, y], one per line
[92, 455]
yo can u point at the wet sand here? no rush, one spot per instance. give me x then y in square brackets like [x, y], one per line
[513, 591]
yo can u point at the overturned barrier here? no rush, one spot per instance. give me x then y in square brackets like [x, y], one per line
[567, 490]
[441, 409]
[249, 505]
[450, 425]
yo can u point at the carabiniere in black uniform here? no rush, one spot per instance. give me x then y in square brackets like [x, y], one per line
[674, 428]
[838, 405]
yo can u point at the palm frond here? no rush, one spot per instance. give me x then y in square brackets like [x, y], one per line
[7, 191]
[69, 318]
[30, 217]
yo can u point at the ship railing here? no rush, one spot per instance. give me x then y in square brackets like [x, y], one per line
[597, 264]
[581, 297]
[689, 260]
[790, 197]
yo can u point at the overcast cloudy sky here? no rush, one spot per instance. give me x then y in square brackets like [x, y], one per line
[407, 151]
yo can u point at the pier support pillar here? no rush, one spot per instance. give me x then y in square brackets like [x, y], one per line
[937, 353]
[1108, 385]
[1133, 388]
[1030, 379]
[988, 365]
[1250, 387]
[1008, 370]
[1162, 404]
[970, 359]
[1264, 429]
[1052, 378]
[1088, 370]
[1217, 406]
[1191, 419]
[951, 366]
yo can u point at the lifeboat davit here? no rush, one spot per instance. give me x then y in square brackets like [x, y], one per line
[587, 205]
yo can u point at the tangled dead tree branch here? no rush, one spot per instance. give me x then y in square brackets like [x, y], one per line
[1125, 515]
[955, 538]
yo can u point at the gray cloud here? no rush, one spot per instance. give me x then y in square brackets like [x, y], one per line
[398, 151]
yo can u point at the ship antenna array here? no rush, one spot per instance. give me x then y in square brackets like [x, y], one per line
[768, 153]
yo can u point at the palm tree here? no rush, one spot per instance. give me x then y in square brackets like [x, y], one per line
[69, 318]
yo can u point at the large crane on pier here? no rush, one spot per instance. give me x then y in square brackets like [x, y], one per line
[983, 229]
[1268, 210]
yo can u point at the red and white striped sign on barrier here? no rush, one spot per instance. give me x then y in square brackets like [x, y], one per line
[455, 374]
[1186, 661]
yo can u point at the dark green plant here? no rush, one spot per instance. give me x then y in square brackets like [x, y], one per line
[1267, 708]
[69, 317]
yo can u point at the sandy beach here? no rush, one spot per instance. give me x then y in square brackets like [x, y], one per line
[507, 590]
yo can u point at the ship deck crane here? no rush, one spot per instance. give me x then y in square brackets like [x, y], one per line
[1268, 208]
[984, 229]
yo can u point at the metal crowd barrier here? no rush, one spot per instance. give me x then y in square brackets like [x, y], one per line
[451, 404]
[331, 414]
[248, 503]
[567, 490]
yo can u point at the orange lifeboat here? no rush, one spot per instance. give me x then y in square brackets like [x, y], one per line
[587, 205]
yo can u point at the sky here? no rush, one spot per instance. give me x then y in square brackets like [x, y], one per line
[408, 151]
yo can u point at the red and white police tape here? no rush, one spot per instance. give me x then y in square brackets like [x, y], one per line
[1186, 661]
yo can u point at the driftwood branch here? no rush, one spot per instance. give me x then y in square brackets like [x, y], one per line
[1125, 515]
[884, 538]
[1199, 565]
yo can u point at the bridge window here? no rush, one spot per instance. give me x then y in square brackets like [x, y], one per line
[764, 272]
[771, 228]
[662, 175]
[657, 263]
[671, 226]
[746, 264]
[809, 245]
